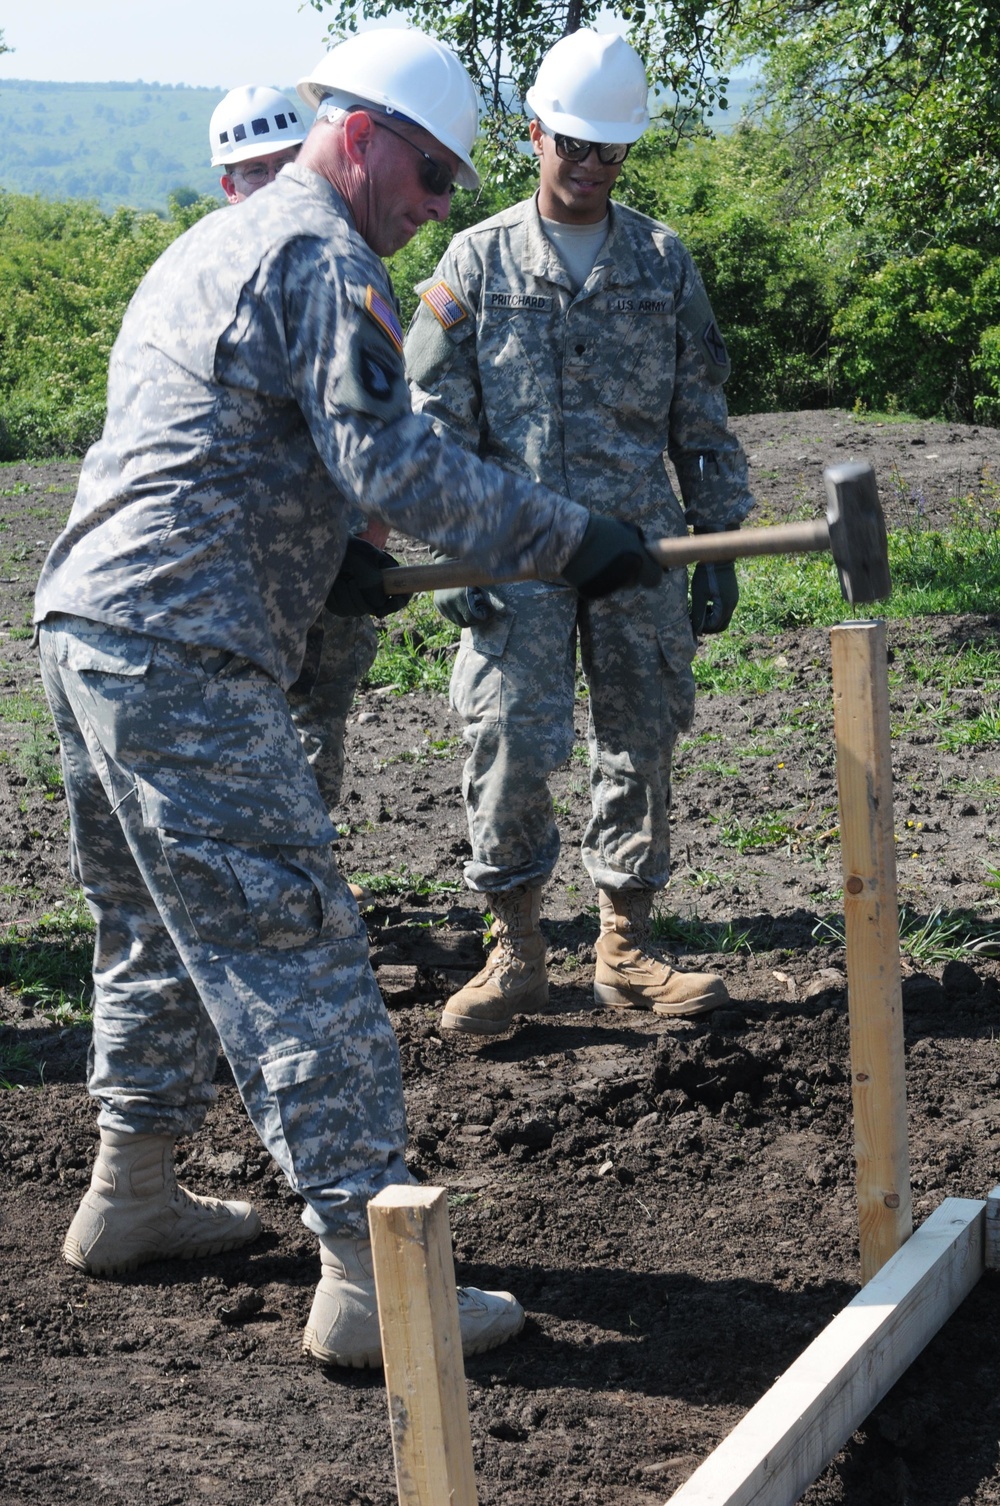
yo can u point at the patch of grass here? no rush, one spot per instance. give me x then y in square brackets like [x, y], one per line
[678, 933]
[941, 936]
[728, 667]
[970, 667]
[20, 634]
[416, 650]
[17, 1062]
[19, 489]
[934, 571]
[976, 732]
[24, 706]
[36, 758]
[48, 961]
[719, 767]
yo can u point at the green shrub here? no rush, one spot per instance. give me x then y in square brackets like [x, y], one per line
[67, 272]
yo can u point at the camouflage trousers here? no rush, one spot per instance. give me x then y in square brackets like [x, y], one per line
[205, 853]
[513, 685]
[339, 653]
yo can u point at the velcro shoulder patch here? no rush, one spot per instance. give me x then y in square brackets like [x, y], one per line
[382, 311]
[443, 304]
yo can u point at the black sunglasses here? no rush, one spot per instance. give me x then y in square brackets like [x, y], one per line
[572, 149]
[434, 175]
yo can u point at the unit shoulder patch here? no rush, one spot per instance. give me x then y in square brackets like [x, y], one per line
[443, 304]
[382, 311]
[714, 344]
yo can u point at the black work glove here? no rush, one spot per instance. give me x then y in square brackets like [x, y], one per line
[611, 556]
[714, 594]
[357, 590]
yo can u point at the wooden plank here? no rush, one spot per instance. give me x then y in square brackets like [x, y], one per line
[787, 1439]
[422, 1347]
[992, 1250]
[871, 917]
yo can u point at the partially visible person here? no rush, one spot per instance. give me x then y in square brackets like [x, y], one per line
[255, 132]
[571, 340]
[256, 396]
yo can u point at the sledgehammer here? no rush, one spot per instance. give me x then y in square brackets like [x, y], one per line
[853, 532]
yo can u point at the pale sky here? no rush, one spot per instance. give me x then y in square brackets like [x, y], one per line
[207, 42]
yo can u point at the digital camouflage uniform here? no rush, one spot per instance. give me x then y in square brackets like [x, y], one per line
[587, 393]
[339, 653]
[258, 361]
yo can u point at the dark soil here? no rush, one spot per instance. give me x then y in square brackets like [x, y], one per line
[675, 1206]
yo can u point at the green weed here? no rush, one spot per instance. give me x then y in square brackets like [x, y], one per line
[974, 733]
[941, 936]
[402, 881]
[756, 833]
[36, 758]
[416, 650]
[17, 1061]
[678, 933]
[706, 879]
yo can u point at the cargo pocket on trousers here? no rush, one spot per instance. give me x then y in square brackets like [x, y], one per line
[238, 890]
[237, 898]
[477, 679]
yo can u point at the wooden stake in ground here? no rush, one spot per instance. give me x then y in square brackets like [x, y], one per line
[422, 1347]
[871, 914]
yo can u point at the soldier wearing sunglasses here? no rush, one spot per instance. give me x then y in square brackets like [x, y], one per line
[256, 399]
[571, 340]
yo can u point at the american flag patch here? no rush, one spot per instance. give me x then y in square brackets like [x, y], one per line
[444, 305]
[384, 315]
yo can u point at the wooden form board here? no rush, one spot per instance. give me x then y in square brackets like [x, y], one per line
[783, 1443]
[871, 923]
[992, 1252]
[422, 1347]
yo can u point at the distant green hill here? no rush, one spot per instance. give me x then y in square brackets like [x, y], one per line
[116, 143]
[130, 143]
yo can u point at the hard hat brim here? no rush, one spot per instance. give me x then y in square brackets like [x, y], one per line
[562, 124]
[312, 93]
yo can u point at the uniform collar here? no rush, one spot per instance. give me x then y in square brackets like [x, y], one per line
[317, 187]
[615, 266]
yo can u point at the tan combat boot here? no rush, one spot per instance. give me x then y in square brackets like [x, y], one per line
[343, 1325]
[632, 972]
[513, 980]
[135, 1211]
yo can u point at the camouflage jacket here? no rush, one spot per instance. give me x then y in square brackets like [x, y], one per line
[259, 360]
[588, 392]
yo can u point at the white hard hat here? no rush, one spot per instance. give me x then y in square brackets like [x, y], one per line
[407, 74]
[593, 86]
[253, 121]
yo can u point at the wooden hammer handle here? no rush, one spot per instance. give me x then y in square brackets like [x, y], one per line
[785, 538]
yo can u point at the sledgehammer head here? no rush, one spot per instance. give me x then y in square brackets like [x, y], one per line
[858, 541]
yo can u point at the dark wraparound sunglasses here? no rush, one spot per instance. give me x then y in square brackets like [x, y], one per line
[572, 149]
[434, 175]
